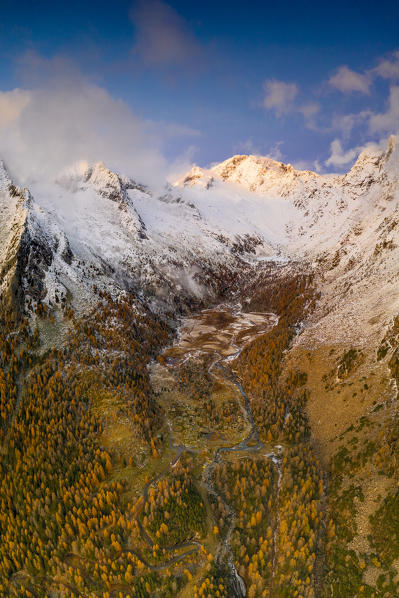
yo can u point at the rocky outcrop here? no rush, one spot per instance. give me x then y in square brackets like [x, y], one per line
[33, 260]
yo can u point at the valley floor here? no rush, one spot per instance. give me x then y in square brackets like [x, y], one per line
[239, 460]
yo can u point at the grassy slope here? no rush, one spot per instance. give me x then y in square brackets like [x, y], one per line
[350, 416]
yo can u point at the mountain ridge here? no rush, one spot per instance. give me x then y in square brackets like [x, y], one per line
[244, 211]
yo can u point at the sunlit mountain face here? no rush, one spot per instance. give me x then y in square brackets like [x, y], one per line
[199, 301]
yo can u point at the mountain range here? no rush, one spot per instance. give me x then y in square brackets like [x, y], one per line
[198, 383]
[91, 223]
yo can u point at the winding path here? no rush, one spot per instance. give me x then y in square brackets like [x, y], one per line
[219, 369]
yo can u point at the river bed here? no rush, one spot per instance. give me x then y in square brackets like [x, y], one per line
[218, 334]
[222, 330]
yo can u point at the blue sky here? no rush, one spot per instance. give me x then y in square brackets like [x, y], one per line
[310, 83]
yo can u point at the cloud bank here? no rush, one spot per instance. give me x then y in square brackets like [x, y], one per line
[66, 118]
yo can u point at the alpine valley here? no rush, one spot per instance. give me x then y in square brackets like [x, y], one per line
[198, 385]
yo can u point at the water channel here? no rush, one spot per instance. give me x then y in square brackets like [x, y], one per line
[220, 334]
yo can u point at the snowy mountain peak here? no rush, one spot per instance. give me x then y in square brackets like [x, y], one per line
[264, 175]
[99, 177]
[241, 165]
[108, 183]
[377, 159]
[255, 173]
[374, 166]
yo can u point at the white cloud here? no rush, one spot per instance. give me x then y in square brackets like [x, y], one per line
[11, 105]
[312, 165]
[163, 37]
[249, 147]
[310, 111]
[182, 164]
[67, 119]
[279, 96]
[387, 122]
[167, 130]
[378, 125]
[340, 157]
[348, 81]
[388, 68]
[350, 129]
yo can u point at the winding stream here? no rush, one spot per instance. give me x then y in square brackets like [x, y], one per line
[222, 333]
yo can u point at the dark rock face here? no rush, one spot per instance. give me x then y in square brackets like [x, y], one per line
[34, 258]
[67, 254]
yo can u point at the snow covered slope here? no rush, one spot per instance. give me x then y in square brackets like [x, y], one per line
[93, 226]
[319, 208]
[346, 227]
